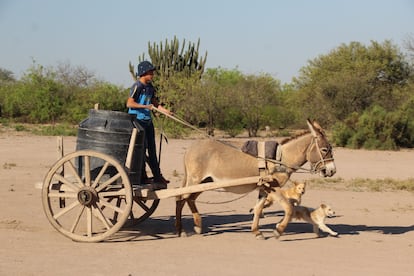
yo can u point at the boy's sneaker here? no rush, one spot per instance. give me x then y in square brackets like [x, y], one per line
[159, 186]
[161, 179]
[160, 183]
[147, 181]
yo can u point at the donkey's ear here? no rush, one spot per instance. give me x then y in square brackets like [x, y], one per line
[316, 125]
[311, 128]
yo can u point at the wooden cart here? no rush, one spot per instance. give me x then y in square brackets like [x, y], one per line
[88, 203]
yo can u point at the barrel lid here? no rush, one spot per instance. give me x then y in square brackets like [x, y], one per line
[107, 120]
[109, 114]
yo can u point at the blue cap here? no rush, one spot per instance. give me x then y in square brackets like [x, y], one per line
[144, 67]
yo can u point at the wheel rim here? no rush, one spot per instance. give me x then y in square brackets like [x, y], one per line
[80, 204]
[141, 210]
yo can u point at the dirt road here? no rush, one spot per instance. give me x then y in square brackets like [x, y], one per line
[376, 228]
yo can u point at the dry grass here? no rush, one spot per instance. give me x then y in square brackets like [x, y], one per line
[364, 184]
[8, 166]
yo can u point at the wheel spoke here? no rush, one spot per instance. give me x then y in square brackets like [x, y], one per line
[67, 209]
[89, 221]
[108, 182]
[109, 205]
[97, 212]
[142, 205]
[101, 173]
[118, 204]
[70, 185]
[75, 223]
[75, 173]
[142, 210]
[120, 192]
[87, 170]
[64, 195]
[131, 216]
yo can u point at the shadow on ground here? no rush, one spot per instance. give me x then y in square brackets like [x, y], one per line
[162, 227]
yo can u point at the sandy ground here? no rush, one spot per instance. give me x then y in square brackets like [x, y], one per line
[376, 228]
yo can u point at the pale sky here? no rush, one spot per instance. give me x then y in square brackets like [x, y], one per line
[268, 36]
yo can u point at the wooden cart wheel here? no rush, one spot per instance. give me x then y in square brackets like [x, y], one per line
[80, 204]
[141, 210]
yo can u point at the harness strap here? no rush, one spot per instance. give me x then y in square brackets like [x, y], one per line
[261, 155]
[261, 158]
[279, 153]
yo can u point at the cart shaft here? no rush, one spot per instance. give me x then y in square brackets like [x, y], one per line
[161, 194]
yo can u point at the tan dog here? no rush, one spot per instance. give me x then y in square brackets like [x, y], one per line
[293, 194]
[316, 217]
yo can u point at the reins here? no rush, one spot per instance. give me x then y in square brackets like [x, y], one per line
[296, 169]
[181, 121]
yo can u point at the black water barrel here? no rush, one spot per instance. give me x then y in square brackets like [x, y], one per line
[110, 132]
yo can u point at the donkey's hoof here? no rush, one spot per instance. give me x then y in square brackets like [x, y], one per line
[279, 228]
[276, 234]
[197, 229]
[260, 236]
[183, 234]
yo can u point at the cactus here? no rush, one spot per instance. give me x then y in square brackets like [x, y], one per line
[169, 59]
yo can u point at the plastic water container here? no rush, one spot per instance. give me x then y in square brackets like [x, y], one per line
[110, 132]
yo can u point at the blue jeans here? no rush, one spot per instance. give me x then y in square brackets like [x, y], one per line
[150, 148]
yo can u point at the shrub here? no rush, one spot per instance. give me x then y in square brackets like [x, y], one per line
[377, 129]
[341, 134]
[232, 122]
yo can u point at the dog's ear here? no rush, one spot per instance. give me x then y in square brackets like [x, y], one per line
[295, 183]
[323, 206]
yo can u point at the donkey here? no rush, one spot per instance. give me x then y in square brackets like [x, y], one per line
[210, 160]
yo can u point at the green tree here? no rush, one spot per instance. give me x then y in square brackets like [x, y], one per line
[377, 129]
[255, 95]
[62, 94]
[287, 111]
[351, 78]
[82, 99]
[6, 75]
[231, 100]
[35, 98]
[7, 81]
[215, 97]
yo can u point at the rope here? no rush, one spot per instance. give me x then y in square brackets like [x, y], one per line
[222, 202]
[182, 121]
